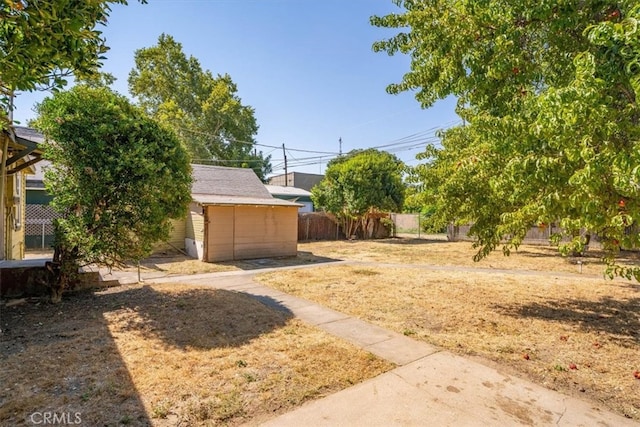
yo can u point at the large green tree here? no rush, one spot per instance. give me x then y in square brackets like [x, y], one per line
[117, 177]
[205, 111]
[44, 41]
[549, 94]
[359, 184]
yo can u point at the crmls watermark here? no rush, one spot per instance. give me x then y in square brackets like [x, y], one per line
[55, 418]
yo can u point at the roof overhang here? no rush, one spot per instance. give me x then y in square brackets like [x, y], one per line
[221, 200]
[25, 150]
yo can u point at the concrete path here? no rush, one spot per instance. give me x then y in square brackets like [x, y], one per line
[430, 387]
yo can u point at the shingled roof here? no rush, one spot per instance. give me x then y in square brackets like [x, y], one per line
[229, 186]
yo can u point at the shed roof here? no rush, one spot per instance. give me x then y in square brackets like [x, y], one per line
[220, 180]
[212, 199]
[219, 185]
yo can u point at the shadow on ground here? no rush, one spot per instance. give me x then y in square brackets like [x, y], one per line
[65, 358]
[618, 318]
[303, 258]
[410, 241]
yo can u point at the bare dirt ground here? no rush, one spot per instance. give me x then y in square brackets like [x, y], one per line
[579, 334]
[166, 355]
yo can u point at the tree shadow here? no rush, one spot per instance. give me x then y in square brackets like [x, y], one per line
[617, 318]
[194, 318]
[65, 358]
[410, 241]
[303, 258]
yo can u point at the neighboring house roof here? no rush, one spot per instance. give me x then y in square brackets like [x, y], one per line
[230, 186]
[36, 181]
[28, 134]
[281, 190]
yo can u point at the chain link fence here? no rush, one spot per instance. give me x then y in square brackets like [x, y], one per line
[39, 226]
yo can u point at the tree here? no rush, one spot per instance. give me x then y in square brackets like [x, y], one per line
[549, 93]
[44, 41]
[205, 111]
[117, 175]
[358, 184]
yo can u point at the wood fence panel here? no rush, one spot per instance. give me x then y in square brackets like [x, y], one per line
[317, 226]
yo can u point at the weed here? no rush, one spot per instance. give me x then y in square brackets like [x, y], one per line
[249, 377]
[161, 409]
[365, 272]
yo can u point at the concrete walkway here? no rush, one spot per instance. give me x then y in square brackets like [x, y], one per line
[430, 387]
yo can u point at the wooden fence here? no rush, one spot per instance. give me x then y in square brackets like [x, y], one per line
[322, 226]
[317, 226]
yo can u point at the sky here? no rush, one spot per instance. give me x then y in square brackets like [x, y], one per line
[306, 66]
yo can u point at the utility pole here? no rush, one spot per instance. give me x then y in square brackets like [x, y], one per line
[340, 141]
[286, 175]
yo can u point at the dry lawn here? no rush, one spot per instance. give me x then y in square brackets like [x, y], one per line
[167, 355]
[577, 334]
[437, 252]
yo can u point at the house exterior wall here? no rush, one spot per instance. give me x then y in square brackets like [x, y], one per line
[14, 222]
[246, 232]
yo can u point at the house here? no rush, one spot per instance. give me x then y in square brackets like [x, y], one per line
[19, 148]
[39, 216]
[306, 181]
[233, 217]
[293, 194]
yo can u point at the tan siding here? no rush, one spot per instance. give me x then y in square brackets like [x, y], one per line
[221, 233]
[176, 238]
[195, 223]
[14, 239]
[265, 231]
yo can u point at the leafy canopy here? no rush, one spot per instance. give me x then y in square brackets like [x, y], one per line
[205, 111]
[44, 41]
[549, 92]
[117, 176]
[358, 184]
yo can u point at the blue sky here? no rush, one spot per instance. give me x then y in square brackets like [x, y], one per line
[305, 66]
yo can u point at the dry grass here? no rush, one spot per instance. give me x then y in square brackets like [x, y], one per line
[167, 355]
[417, 251]
[536, 326]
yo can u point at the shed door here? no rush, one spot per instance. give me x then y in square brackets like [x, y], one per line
[220, 239]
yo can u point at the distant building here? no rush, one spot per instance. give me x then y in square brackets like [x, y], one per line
[306, 181]
[292, 194]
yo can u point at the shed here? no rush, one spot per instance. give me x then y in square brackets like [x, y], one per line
[233, 217]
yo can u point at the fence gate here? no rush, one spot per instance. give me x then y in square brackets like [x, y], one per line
[38, 233]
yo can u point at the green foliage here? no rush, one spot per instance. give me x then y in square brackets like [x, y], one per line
[549, 92]
[44, 41]
[358, 184]
[117, 175]
[204, 111]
